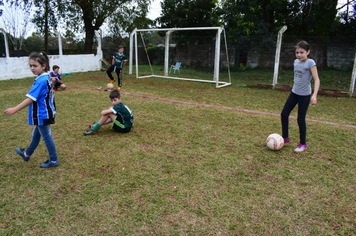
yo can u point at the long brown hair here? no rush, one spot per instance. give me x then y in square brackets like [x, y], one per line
[40, 57]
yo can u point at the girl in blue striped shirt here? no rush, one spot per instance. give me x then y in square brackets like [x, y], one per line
[42, 111]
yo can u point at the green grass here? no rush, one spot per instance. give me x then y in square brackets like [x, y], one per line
[330, 79]
[193, 164]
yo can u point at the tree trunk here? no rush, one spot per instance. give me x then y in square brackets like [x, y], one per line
[46, 26]
[268, 14]
[89, 38]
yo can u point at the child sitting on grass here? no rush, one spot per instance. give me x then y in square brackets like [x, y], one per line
[57, 79]
[119, 114]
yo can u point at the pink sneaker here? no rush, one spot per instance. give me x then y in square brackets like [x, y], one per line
[286, 140]
[301, 148]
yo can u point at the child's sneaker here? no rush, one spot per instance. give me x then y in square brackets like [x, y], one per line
[301, 148]
[112, 81]
[21, 152]
[89, 132]
[286, 140]
[119, 88]
[49, 163]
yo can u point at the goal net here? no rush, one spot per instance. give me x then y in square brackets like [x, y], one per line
[181, 53]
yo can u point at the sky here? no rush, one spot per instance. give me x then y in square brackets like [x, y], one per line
[155, 9]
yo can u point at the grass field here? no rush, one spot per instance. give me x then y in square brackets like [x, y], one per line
[330, 79]
[195, 163]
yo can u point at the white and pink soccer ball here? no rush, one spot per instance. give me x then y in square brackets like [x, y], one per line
[275, 142]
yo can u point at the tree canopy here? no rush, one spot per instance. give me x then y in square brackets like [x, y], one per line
[253, 17]
[189, 13]
[240, 17]
[1, 4]
[314, 18]
[93, 13]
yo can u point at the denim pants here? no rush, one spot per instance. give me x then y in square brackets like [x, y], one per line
[303, 104]
[43, 131]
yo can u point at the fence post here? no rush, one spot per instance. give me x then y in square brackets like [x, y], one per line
[352, 85]
[131, 50]
[6, 43]
[99, 51]
[277, 56]
[60, 50]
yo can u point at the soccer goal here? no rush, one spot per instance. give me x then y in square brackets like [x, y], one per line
[166, 71]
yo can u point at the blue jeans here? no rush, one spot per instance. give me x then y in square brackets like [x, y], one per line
[303, 104]
[43, 131]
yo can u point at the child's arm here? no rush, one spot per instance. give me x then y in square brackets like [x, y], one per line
[22, 105]
[314, 72]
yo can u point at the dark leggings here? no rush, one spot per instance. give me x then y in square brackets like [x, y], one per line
[118, 72]
[303, 104]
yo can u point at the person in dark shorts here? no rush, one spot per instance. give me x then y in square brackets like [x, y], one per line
[119, 115]
[119, 60]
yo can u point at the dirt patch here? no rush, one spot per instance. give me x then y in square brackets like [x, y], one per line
[286, 87]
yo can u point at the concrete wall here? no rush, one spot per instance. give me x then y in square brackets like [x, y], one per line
[18, 67]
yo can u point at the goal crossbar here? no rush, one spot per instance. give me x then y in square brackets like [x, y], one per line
[219, 84]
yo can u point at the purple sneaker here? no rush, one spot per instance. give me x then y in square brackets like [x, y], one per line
[286, 140]
[301, 148]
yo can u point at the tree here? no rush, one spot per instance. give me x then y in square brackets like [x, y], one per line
[126, 19]
[93, 14]
[311, 18]
[80, 15]
[1, 4]
[15, 22]
[46, 18]
[33, 43]
[345, 23]
[190, 13]
[254, 17]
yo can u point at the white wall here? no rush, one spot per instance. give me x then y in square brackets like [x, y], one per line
[18, 67]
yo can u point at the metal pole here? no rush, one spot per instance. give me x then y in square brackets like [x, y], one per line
[277, 56]
[60, 50]
[7, 52]
[131, 50]
[166, 52]
[136, 55]
[352, 85]
[217, 58]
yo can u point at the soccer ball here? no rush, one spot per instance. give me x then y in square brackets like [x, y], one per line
[110, 86]
[275, 142]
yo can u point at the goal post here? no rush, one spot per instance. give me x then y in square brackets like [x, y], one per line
[169, 31]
